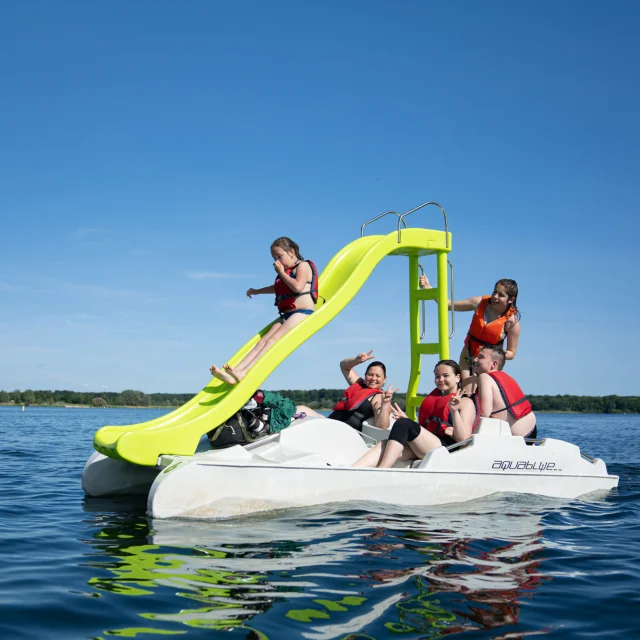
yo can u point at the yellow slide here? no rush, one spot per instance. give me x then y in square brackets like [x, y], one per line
[180, 431]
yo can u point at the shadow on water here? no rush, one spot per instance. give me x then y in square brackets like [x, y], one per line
[326, 572]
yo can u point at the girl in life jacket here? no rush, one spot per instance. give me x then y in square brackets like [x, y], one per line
[365, 398]
[495, 319]
[444, 419]
[296, 290]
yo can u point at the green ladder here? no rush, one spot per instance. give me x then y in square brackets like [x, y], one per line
[417, 295]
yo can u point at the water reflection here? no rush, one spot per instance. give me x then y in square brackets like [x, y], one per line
[326, 572]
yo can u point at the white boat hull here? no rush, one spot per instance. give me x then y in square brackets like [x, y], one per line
[310, 463]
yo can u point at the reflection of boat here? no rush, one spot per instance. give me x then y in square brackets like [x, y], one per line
[428, 571]
[310, 463]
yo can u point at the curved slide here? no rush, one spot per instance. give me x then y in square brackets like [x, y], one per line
[180, 431]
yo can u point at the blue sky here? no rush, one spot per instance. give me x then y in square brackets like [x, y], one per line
[151, 151]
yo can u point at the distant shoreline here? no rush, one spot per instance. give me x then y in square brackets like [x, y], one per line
[171, 408]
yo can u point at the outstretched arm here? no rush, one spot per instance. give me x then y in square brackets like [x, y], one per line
[256, 292]
[347, 365]
[382, 408]
[469, 304]
[513, 337]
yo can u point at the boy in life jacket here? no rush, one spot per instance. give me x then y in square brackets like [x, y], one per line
[500, 396]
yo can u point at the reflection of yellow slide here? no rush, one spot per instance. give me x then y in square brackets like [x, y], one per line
[180, 431]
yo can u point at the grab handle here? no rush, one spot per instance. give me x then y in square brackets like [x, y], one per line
[382, 215]
[424, 204]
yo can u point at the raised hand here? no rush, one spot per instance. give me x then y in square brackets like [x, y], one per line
[252, 292]
[455, 402]
[424, 282]
[363, 357]
[277, 265]
[388, 394]
[398, 412]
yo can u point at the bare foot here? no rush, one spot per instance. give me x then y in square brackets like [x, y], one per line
[237, 375]
[222, 375]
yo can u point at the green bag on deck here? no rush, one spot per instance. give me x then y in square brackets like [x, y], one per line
[282, 410]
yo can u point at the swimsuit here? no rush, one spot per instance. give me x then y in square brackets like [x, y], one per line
[285, 316]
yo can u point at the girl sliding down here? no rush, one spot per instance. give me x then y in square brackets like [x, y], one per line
[296, 290]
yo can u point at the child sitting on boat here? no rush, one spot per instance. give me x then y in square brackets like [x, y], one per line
[296, 290]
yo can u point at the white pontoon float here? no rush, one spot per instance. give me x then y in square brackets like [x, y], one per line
[310, 462]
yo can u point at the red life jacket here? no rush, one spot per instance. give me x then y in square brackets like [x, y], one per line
[354, 396]
[515, 401]
[481, 333]
[434, 414]
[285, 297]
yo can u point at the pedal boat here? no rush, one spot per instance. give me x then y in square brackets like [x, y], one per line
[309, 463]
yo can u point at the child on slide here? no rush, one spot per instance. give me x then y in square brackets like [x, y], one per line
[296, 290]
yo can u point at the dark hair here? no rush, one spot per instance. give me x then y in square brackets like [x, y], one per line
[500, 355]
[449, 363]
[287, 244]
[511, 289]
[377, 363]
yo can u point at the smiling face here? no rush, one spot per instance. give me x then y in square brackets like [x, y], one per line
[374, 378]
[446, 379]
[500, 299]
[286, 258]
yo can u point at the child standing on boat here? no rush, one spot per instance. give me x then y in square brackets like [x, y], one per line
[296, 290]
[496, 318]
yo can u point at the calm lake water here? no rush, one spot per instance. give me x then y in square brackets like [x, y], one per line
[503, 567]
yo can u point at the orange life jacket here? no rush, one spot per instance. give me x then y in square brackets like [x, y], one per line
[285, 297]
[354, 396]
[481, 333]
[515, 401]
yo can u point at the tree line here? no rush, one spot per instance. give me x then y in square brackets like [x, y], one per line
[313, 398]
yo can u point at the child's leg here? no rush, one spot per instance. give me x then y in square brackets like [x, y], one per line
[372, 457]
[221, 375]
[225, 375]
[257, 348]
[269, 340]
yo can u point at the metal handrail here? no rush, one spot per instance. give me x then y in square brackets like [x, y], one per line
[453, 314]
[424, 204]
[382, 215]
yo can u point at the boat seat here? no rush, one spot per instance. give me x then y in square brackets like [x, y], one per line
[492, 427]
[341, 444]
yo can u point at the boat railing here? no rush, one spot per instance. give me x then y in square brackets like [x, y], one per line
[424, 204]
[382, 215]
